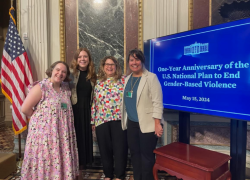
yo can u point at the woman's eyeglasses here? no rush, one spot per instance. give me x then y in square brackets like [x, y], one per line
[107, 64]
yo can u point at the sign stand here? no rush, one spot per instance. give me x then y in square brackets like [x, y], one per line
[238, 140]
[184, 127]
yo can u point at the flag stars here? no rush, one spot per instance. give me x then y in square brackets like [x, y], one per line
[13, 43]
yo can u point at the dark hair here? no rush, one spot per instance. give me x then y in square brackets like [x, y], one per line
[139, 54]
[52, 66]
[91, 67]
[101, 74]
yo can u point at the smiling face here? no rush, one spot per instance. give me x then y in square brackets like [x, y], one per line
[109, 68]
[135, 64]
[83, 60]
[59, 73]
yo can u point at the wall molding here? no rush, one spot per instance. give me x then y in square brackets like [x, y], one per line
[190, 15]
[62, 29]
[140, 25]
[124, 44]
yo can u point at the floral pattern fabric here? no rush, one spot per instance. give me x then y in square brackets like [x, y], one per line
[51, 150]
[107, 101]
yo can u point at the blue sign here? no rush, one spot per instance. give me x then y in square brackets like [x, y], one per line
[205, 70]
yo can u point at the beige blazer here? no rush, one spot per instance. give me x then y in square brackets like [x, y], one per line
[73, 87]
[148, 104]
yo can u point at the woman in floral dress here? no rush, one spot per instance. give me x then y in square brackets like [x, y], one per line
[106, 118]
[51, 150]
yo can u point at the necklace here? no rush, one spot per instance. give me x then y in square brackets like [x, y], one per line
[132, 87]
[130, 93]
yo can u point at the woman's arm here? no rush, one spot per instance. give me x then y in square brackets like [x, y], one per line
[31, 100]
[156, 93]
[157, 97]
[93, 110]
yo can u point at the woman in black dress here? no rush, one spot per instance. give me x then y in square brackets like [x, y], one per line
[82, 83]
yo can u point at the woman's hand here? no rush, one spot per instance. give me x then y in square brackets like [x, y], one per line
[33, 97]
[93, 127]
[158, 128]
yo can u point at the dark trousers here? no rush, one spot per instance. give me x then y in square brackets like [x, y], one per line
[141, 147]
[112, 142]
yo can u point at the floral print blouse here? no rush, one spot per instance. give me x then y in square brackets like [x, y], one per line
[107, 101]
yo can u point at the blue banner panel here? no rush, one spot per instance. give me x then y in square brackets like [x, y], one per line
[205, 70]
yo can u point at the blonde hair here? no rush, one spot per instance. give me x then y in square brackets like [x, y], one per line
[90, 69]
[101, 73]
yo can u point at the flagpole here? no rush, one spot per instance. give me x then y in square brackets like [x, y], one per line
[20, 160]
[19, 142]
[19, 135]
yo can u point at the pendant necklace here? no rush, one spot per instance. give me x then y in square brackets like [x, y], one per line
[130, 93]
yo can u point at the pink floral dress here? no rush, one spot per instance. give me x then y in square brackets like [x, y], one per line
[51, 150]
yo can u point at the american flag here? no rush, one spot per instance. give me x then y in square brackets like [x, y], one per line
[16, 74]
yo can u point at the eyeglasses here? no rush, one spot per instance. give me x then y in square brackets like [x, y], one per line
[107, 64]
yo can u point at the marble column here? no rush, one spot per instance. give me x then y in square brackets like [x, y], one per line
[70, 28]
[34, 23]
[162, 17]
[131, 26]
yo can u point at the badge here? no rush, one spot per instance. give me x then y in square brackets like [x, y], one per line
[129, 94]
[63, 105]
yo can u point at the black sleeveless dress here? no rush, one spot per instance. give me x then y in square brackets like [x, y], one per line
[82, 117]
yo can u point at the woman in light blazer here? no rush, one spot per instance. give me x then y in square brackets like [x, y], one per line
[82, 83]
[142, 112]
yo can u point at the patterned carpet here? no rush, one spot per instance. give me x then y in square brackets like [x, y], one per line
[7, 145]
[6, 139]
[90, 174]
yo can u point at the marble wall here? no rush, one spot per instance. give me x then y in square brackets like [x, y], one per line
[101, 28]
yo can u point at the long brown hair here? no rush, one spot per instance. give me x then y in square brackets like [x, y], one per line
[101, 74]
[90, 69]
